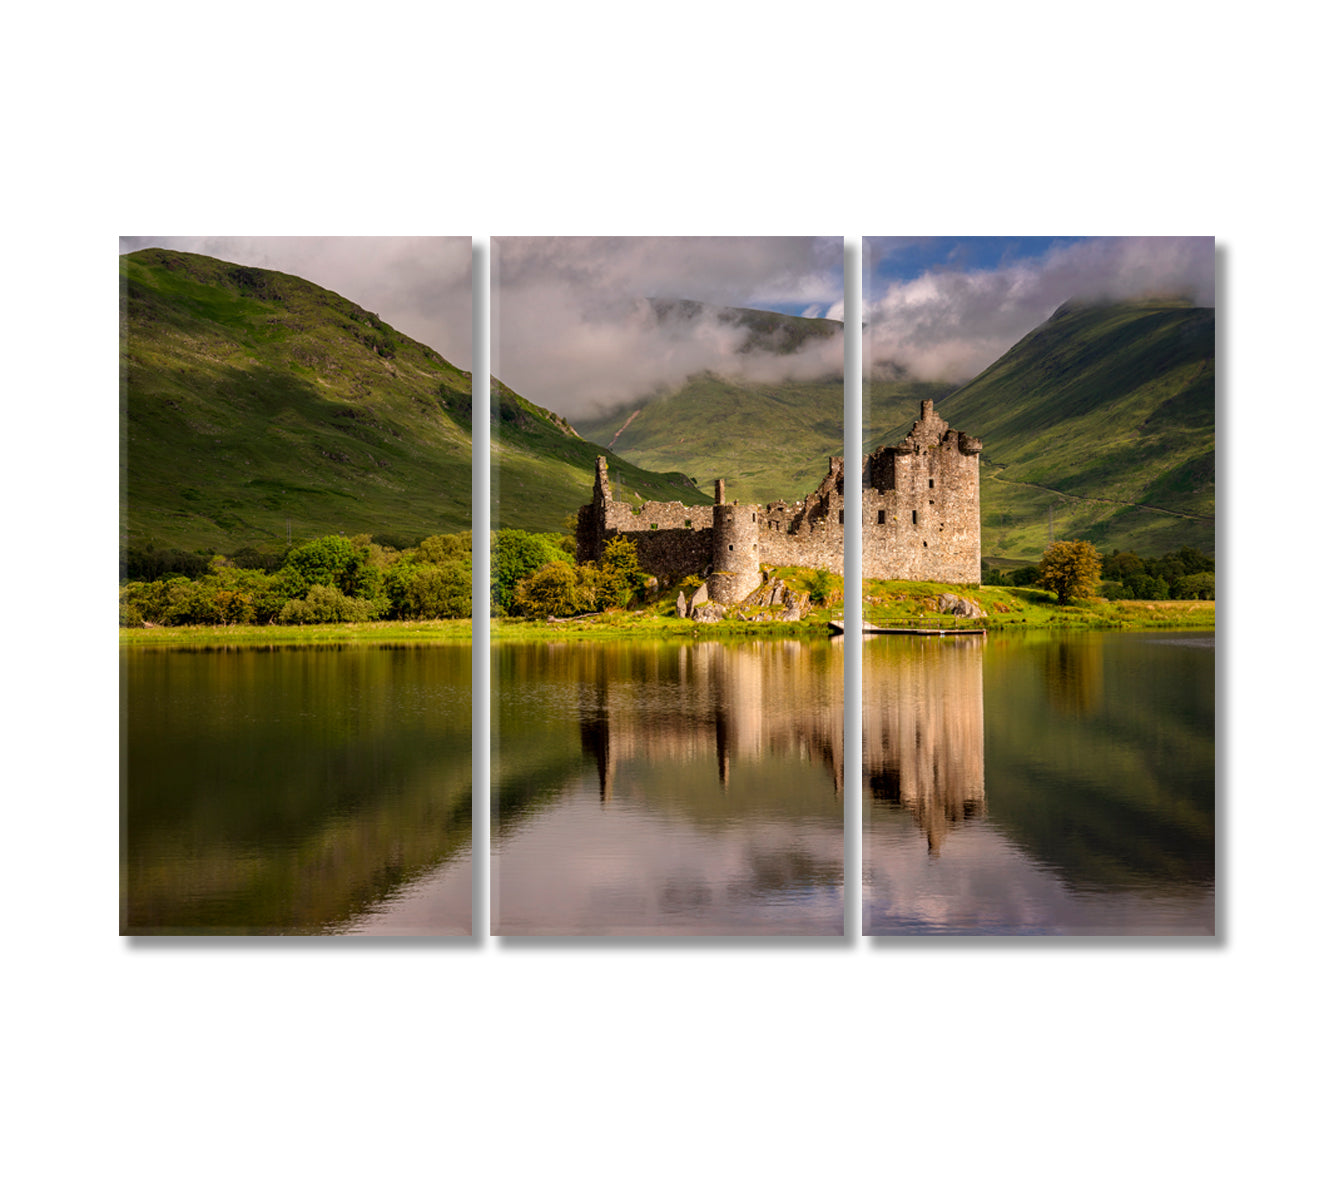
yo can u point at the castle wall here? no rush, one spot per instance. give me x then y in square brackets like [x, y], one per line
[920, 513]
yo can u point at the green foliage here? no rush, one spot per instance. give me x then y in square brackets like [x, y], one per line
[328, 606]
[822, 587]
[426, 591]
[619, 579]
[327, 562]
[515, 555]
[1070, 569]
[558, 589]
[1194, 587]
[354, 580]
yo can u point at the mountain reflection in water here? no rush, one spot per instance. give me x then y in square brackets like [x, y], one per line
[297, 790]
[650, 788]
[1095, 811]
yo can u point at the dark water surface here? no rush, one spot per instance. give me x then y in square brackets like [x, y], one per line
[301, 790]
[667, 788]
[1039, 784]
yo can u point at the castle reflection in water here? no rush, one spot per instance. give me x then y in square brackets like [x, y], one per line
[922, 742]
[734, 704]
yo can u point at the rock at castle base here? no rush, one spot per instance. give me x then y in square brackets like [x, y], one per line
[681, 606]
[949, 603]
[707, 613]
[794, 605]
[701, 597]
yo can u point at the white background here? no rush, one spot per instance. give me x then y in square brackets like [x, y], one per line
[1043, 1069]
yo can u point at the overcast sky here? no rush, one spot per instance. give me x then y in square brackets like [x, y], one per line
[946, 308]
[422, 286]
[570, 329]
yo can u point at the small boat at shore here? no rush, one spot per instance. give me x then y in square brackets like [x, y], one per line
[921, 626]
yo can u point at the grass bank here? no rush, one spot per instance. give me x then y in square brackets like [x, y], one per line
[368, 633]
[883, 602]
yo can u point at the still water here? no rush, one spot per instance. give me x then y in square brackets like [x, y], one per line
[667, 788]
[301, 790]
[1041, 784]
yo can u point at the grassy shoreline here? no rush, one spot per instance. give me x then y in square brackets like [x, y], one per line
[1008, 610]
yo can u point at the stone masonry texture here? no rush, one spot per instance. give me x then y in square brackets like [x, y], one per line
[920, 512]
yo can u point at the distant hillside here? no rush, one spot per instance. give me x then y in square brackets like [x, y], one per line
[1102, 418]
[769, 441]
[766, 332]
[542, 470]
[251, 399]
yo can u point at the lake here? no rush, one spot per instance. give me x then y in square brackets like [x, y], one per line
[297, 790]
[1039, 784]
[667, 788]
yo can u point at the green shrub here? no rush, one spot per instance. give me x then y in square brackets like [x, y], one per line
[327, 606]
[558, 589]
[515, 555]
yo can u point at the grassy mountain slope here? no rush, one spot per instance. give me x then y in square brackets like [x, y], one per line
[542, 470]
[770, 441]
[251, 398]
[1103, 415]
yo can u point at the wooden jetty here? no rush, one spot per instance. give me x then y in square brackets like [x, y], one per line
[919, 626]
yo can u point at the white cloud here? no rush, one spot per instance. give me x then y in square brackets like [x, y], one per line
[571, 330]
[949, 325]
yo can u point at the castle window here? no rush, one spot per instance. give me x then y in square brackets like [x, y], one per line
[930, 483]
[731, 547]
[687, 522]
[914, 516]
[754, 517]
[923, 545]
[880, 517]
[654, 525]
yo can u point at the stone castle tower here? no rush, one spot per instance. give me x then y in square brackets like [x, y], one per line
[736, 549]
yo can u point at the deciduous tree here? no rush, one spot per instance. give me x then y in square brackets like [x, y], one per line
[1072, 570]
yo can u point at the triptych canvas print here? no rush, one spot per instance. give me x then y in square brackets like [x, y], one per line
[711, 617]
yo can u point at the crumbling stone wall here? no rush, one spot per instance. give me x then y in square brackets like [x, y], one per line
[920, 513]
[673, 539]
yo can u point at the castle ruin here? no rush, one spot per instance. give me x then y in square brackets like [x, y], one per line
[920, 513]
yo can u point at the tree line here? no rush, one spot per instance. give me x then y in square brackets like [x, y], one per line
[1184, 574]
[328, 579]
[337, 579]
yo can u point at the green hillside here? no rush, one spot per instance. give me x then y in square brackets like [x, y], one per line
[1102, 417]
[769, 441]
[251, 399]
[542, 470]
[255, 405]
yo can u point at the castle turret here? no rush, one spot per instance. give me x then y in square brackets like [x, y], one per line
[736, 550]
